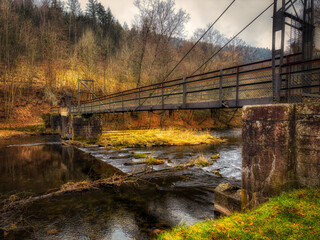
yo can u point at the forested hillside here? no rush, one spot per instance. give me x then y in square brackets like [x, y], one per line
[53, 44]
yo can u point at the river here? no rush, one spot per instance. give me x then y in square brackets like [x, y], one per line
[37, 165]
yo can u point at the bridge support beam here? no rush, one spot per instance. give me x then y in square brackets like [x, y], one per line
[86, 126]
[77, 126]
[61, 125]
[55, 123]
[281, 150]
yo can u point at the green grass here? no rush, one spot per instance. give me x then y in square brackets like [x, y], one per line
[151, 161]
[293, 215]
[140, 155]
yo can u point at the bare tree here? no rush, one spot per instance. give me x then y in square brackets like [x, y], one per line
[74, 11]
[158, 23]
[88, 54]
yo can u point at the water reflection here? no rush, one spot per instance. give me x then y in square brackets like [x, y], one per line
[125, 212]
[128, 212]
[39, 167]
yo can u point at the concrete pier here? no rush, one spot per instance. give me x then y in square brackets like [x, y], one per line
[77, 126]
[281, 150]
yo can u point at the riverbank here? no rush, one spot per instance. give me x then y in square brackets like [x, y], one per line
[8, 134]
[293, 215]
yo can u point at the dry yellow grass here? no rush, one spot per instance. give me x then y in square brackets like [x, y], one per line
[5, 134]
[154, 161]
[157, 137]
[200, 161]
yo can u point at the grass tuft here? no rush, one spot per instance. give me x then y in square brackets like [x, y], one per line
[201, 161]
[140, 155]
[293, 215]
[154, 161]
[215, 157]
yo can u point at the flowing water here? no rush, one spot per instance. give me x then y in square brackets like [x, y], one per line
[41, 164]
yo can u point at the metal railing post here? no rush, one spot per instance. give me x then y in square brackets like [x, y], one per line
[139, 97]
[122, 104]
[62, 126]
[237, 88]
[220, 88]
[287, 76]
[184, 95]
[289, 84]
[79, 106]
[162, 95]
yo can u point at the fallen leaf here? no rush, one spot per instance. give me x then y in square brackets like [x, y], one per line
[52, 231]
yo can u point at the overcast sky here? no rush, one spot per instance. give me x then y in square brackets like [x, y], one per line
[203, 12]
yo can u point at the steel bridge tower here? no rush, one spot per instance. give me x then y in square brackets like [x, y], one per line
[300, 14]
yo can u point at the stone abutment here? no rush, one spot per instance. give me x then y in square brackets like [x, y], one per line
[77, 126]
[281, 150]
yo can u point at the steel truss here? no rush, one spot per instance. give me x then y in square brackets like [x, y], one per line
[301, 19]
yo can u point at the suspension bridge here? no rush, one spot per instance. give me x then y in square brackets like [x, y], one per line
[233, 87]
[280, 141]
[293, 78]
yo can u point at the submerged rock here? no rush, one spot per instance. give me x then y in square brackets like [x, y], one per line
[227, 199]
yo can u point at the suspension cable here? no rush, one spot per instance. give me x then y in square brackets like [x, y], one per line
[216, 53]
[195, 44]
[224, 46]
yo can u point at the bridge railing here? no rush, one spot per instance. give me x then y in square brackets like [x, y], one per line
[301, 81]
[230, 87]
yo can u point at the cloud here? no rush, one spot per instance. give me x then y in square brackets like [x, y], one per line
[203, 12]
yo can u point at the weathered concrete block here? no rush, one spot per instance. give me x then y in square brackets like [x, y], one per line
[309, 156]
[267, 157]
[281, 150]
[307, 144]
[269, 112]
[66, 127]
[55, 122]
[311, 109]
[86, 127]
[227, 199]
[267, 133]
